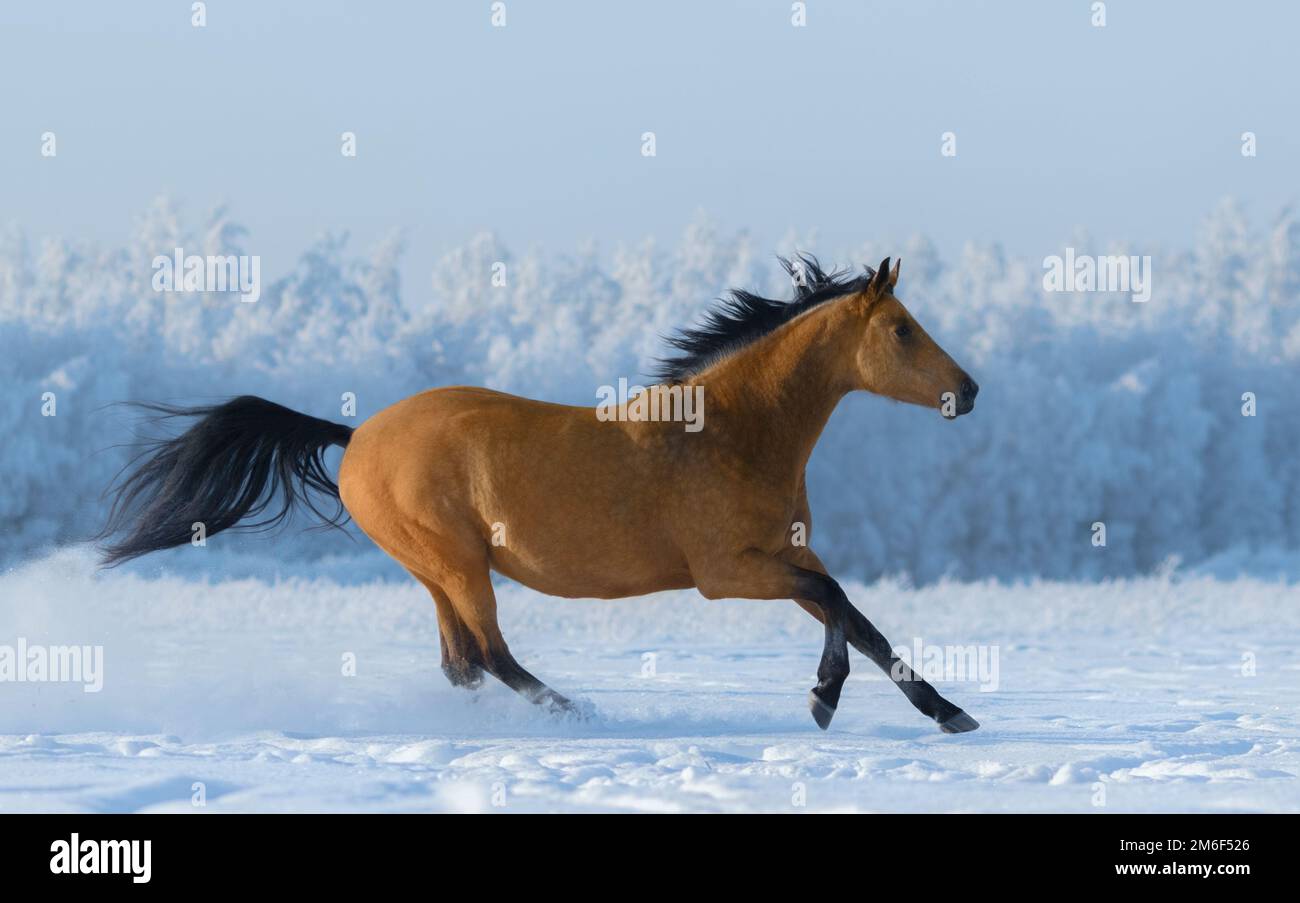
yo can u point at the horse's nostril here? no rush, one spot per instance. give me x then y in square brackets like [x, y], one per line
[969, 389]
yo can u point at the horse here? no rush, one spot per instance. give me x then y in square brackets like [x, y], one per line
[457, 482]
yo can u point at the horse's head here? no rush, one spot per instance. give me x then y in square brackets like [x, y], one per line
[898, 359]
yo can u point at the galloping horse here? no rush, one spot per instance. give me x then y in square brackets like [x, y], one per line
[457, 482]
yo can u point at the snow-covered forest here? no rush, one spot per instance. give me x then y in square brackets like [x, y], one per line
[1093, 408]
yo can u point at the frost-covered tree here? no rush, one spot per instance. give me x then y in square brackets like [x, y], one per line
[1093, 408]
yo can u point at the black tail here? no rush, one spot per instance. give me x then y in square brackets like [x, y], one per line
[238, 460]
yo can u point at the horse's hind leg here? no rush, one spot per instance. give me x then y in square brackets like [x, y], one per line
[461, 660]
[476, 603]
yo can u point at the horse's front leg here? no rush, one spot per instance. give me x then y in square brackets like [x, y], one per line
[865, 638]
[756, 575]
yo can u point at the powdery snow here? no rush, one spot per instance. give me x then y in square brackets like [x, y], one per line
[1137, 691]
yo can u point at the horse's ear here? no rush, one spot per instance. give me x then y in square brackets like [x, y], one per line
[880, 278]
[893, 276]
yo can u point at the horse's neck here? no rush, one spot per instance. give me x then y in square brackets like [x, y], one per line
[772, 399]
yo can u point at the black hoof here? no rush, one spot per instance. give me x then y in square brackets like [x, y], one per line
[821, 712]
[959, 723]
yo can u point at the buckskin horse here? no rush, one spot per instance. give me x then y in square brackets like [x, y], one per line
[457, 482]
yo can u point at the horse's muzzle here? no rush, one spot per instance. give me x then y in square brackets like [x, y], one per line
[966, 395]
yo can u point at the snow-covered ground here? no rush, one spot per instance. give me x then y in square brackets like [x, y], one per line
[1178, 692]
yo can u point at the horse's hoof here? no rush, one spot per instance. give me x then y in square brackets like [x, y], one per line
[821, 712]
[958, 724]
[566, 709]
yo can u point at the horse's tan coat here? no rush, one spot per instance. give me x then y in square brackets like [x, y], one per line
[458, 481]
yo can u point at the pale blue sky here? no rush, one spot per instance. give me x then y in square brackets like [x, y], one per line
[1131, 131]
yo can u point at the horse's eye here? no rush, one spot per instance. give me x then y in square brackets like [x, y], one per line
[902, 330]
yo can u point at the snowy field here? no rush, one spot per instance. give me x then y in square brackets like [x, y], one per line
[1177, 692]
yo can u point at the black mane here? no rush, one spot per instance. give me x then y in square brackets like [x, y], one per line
[743, 317]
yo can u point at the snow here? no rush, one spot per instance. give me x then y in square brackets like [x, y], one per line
[1177, 691]
[1157, 672]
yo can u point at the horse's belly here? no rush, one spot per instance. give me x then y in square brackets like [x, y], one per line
[605, 570]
